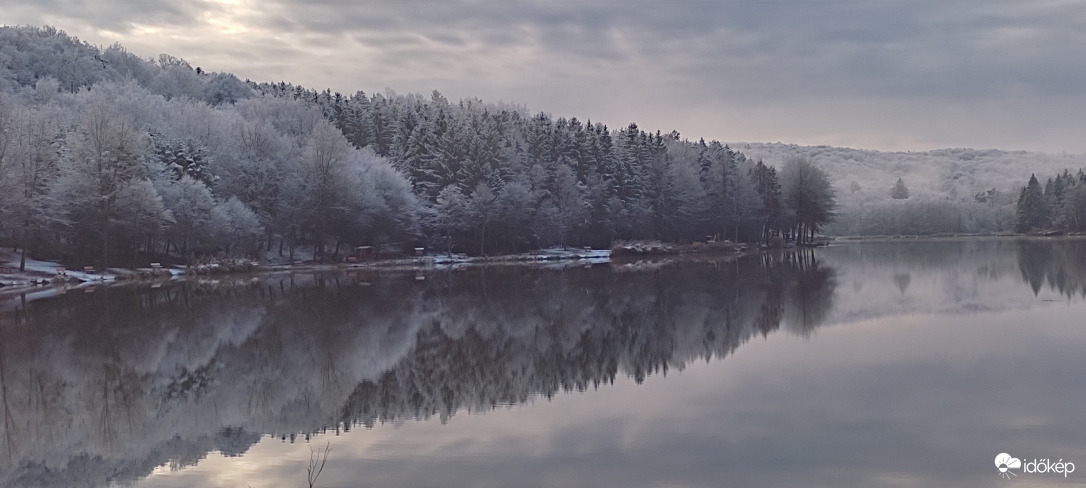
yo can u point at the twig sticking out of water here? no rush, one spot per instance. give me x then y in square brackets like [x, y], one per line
[317, 459]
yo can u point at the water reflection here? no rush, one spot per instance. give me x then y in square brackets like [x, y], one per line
[578, 330]
[103, 387]
[916, 277]
[1059, 264]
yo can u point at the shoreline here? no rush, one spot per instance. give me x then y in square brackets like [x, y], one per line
[37, 280]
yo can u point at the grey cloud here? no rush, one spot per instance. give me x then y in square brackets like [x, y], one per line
[121, 16]
[714, 56]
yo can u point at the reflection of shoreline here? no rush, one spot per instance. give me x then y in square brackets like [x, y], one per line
[91, 390]
[797, 288]
[101, 392]
[1060, 265]
[962, 238]
[905, 277]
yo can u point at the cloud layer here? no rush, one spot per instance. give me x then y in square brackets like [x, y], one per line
[882, 75]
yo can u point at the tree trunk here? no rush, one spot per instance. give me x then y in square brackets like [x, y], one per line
[290, 248]
[105, 249]
[482, 239]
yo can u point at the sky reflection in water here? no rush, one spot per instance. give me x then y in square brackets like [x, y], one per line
[900, 364]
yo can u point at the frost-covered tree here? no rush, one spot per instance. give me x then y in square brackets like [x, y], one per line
[570, 206]
[519, 218]
[321, 175]
[1032, 210]
[450, 218]
[225, 88]
[191, 205]
[1071, 214]
[235, 229]
[8, 184]
[899, 191]
[687, 203]
[143, 219]
[481, 201]
[28, 166]
[809, 196]
[383, 211]
[104, 156]
[768, 186]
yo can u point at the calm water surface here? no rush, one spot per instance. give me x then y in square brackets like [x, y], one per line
[862, 364]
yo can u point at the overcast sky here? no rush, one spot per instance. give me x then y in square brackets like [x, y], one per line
[890, 75]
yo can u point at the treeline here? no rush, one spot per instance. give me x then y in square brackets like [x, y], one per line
[898, 213]
[1059, 205]
[951, 191]
[108, 158]
[923, 217]
[117, 175]
[494, 179]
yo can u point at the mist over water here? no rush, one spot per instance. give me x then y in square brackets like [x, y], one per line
[861, 364]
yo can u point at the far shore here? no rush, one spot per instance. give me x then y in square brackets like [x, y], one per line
[44, 275]
[940, 237]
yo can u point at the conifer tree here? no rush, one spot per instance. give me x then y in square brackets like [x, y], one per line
[899, 191]
[1032, 212]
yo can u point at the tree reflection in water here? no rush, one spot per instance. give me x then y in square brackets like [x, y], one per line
[1059, 263]
[104, 386]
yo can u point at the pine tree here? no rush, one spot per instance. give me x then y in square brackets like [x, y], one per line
[358, 121]
[899, 191]
[1032, 212]
[769, 188]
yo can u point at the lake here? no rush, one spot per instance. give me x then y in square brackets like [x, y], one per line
[901, 363]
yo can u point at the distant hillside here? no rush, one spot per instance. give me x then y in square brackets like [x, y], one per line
[944, 174]
[947, 179]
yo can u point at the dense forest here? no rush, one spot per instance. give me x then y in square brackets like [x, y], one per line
[1059, 206]
[108, 158]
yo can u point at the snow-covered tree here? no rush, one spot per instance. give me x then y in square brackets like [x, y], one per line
[191, 204]
[1032, 212]
[321, 184]
[104, 156]
[450, 218]
[144, 216]
[571, 208]
[808, 194]
[235, 229]
[899, 191]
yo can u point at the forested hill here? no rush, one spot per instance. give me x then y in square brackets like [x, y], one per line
[108, 158]
[949, 190]
[114, 159]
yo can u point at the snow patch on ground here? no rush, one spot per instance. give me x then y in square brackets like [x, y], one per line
[45, 272]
